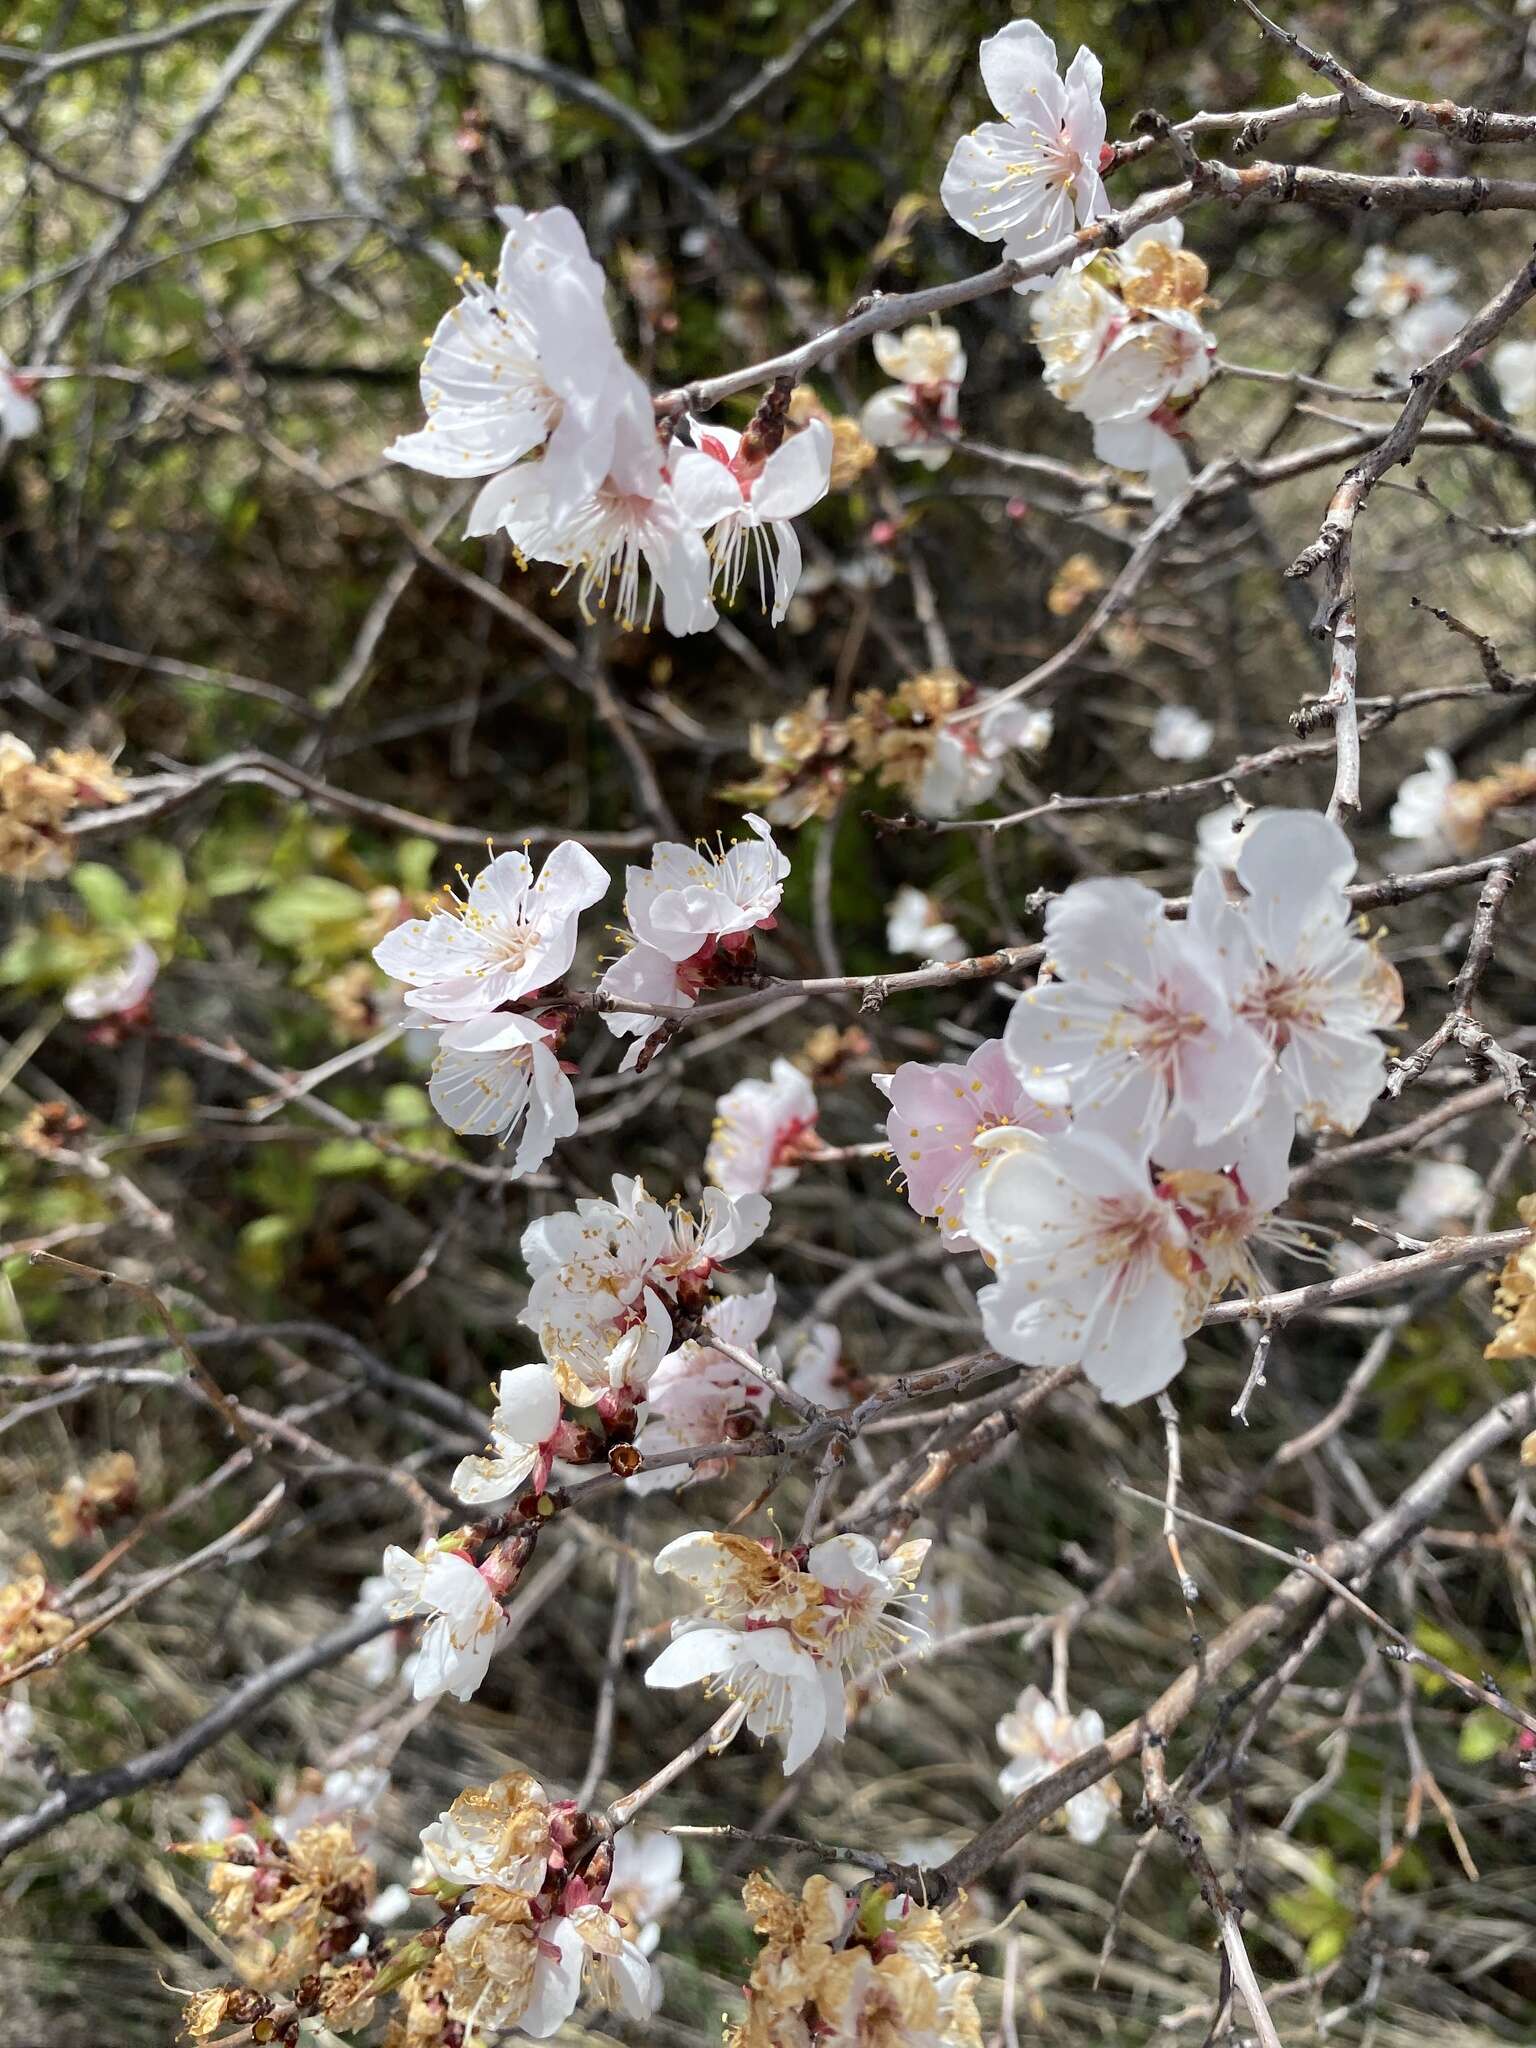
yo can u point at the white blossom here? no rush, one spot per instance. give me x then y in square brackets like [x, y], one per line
[762, 1131]
[1030, 179]
[1180, 734]
[966, 763]
[787, 1693]
[1423, 331]
[779, 1637]
[528, 363]
[917, 416]
[683, 909]
[1513, 366]
[762, 496]
[647, 1882]
[1093, 1267]
[1387, 284]
[815, 1366]
[604, 1271]
[20, 416]
[117, 990]
[526, 1416]
[352, 1793]
[1439, 1192]
[1297, 968]
[466, 1625]
[509, 936]
[1040, 1740]
[625, 539]
[698, 1391]
[914, 924]
[497, 1074]
[1421, 812]
[1137, 1018]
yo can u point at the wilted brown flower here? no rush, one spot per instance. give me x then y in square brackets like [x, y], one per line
[37, 796]
[892, 736]
[48, 1128]
[86, 1502]
[1078, 578]
[868, 1969]
[852, 453]
[310, 1893]
[28, 1626]
[803, 774]
[1157, 277]
[1515, 1299]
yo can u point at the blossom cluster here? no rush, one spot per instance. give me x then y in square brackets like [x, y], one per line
[485, 972]
[1123, 345]
[1119, 1152]
[638, 1340]
[869, 1969]
[783, 1629]
[1415, 297]
[36, 799]
[935, 738]
[524, 385]
[539, 1907]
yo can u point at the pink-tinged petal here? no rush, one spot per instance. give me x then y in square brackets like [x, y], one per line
[796, 475]
[1018, 68]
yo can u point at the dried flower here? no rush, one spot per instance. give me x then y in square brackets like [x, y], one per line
[107, 1488]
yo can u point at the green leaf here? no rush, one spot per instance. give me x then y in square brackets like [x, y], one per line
[296, 915]
[104, 893]
[1483, 1734]
[346, 1155]
[407, 1107]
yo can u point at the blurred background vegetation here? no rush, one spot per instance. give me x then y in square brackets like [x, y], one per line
[208, 490]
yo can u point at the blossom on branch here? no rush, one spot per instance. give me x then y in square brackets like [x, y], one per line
[763, 1129]
[1041, 1739]
[523, 1424]
[509, 936]
[497, 1074]
[692, 914]
[917, 416]
[763, 494]
[914, 924]
[783, 1628]
[1387, 283]
[939, 1115]
[1124, 346]
[1029, 180]
[1298, 970]
[701, 1395]
[467, 1620]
